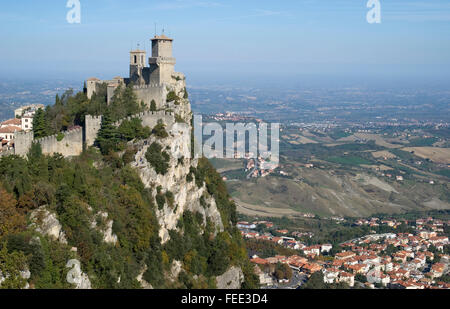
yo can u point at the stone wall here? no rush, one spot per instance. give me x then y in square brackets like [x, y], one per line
[70, 145]
[151, 119]
[6, 153]
[22, 143]
[110, 89]
[91, 87]
[147, 93]
[92, 125]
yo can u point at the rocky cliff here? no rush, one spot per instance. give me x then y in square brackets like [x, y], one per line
[147, 216]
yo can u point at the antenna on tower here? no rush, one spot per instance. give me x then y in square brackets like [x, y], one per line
[155, 29]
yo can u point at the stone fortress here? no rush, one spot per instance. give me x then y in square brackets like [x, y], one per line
[151, 83]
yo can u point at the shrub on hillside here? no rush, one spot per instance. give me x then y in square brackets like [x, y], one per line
[158, 158]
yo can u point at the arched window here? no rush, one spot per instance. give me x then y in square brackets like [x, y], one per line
[135, 59]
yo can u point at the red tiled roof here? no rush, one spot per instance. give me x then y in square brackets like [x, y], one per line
[10, 129]
[259, 261]
[13, 121]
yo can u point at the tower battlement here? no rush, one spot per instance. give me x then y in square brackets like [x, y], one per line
[147, 86]
[149, 80]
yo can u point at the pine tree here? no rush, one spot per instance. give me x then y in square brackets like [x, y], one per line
[130, 100]
[40, 124]
[12, 263]
[108, 138]
[153, 106]
[57, 100]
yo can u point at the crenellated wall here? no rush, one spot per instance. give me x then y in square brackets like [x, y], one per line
[92, 125]
[70, 145]
[22, 142]
[150, 119]
[147, 93]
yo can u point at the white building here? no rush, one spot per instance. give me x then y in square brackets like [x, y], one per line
[326, 248]
[376, 276]
[27, 122]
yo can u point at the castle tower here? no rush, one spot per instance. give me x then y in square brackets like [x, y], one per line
[162, 63]
[137, 64]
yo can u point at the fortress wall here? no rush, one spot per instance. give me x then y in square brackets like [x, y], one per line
[166, 72]
[91, 87]
[70, 145]
[22, 143]
[148, 93]
[91, 127]
[150, 119]
[6, 153]
[110, 93]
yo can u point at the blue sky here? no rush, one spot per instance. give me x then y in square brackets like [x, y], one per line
[234, 38]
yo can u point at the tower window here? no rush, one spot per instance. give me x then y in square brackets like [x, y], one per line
[135, 59]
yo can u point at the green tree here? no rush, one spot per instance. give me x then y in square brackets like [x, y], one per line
[11, 220]
[153, 106]
[108, 138]
[315, 282]
[11, 265]
[124, 103]
[158, 158]
[160, 130]
[361, 278]
[132, 129]
[40, 124]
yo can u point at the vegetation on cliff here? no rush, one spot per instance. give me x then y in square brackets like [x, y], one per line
[70, 109]
[77, 190]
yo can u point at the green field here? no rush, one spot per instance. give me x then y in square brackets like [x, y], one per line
[349, 160]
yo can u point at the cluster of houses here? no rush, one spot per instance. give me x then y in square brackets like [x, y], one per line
[410, 265]
[258, 167]
[232, 117]
[403, 260]
[22, 121]
[429, 223]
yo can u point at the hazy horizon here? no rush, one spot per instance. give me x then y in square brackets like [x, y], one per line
[255, 42]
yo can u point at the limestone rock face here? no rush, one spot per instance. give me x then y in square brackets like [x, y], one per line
[108, 235]
[140, 278]
[175, 270]
[47, 223]
[231, 279]
[76, 276]
[25, 274]
[182, 108]
[187, 195]
[107, 232]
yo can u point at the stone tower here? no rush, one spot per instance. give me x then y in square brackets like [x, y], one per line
[137, 65]
[162, 63]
